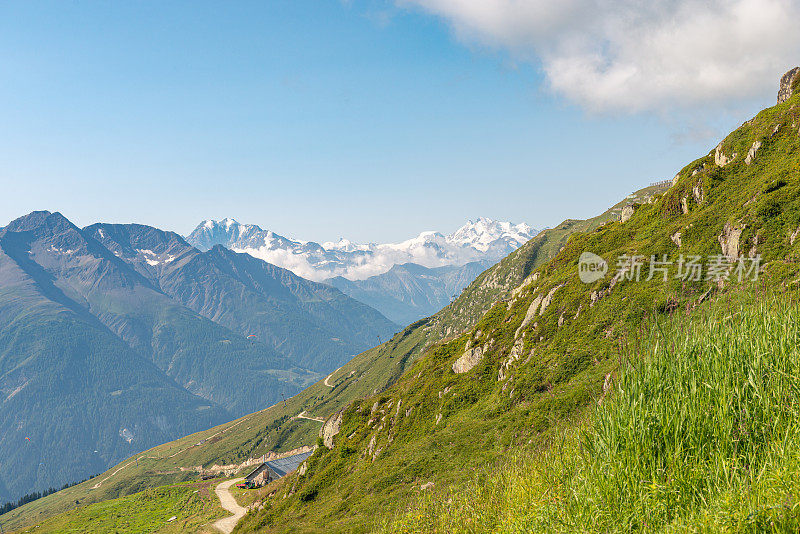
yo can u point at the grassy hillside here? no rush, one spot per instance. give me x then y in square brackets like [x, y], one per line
[699, 432]
[194, 506]
[544, 353]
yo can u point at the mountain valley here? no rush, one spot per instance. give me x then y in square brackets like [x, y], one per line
[152, 338]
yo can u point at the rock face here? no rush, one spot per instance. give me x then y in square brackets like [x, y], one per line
[697, 192]
[787, 81]
[720, 158]
[794, 236]
[549, 298]
[729, 241]
[529, 316]
[627, 213]
[751, 154]
[331, 428]
[468, 360]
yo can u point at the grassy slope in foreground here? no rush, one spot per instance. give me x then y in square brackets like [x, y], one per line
[700, 432]
[434, 425]
[194, 505]
[274, 428]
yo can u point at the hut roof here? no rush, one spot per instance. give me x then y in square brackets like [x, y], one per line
[284, 466]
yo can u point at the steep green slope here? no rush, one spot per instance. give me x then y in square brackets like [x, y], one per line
[694, 434]
[539, 357]
[497, 283]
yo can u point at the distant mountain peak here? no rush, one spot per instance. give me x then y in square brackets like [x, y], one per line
[485, 231]
[38, 219]
[483, 239]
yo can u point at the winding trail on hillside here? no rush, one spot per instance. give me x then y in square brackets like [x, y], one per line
[329, 377]
[228, 502]
[302, 415]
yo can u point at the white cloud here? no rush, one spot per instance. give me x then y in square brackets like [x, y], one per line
[634, 55]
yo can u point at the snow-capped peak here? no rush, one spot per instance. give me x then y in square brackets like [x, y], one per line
[482, 239]
[211, 224]
[484, 231]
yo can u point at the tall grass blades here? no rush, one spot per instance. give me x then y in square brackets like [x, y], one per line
[711, 410]
[699, 433]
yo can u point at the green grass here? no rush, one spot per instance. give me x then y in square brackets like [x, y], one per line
[699, 433]
[195, 506]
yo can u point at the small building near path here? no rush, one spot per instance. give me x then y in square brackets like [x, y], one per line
[274, 469]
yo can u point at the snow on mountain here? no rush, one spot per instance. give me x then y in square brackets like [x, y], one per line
[482, 233]
[480, 240]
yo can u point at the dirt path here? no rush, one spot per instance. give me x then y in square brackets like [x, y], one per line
[302, 415]
[328, 378]
[227, 524]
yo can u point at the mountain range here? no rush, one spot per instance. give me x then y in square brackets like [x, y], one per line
[480, 240]
[114, 338]
[404, 281]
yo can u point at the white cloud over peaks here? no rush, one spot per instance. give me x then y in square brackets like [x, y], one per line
[634, 55]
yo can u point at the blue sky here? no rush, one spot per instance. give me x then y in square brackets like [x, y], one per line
[318, 120]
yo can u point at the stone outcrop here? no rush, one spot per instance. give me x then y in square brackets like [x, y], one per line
[729, 240]
[331, 428]
[751, 154]
[697, 193]
[549, 298]
[787, 82]
[468, 360]
[720, 158]
[516, 352]
[532, 309]
[524, 285]
[794, 236]
[627, 213]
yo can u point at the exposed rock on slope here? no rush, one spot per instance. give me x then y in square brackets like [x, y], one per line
[330, 429]
[788, 85]
[729, 240]
[468, 360]
[627, 213]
